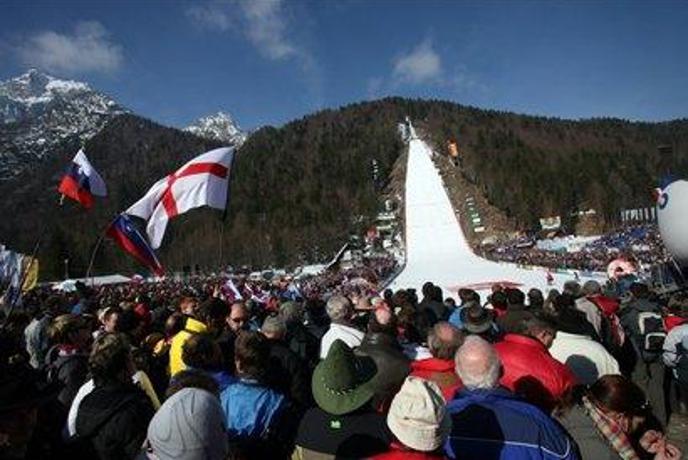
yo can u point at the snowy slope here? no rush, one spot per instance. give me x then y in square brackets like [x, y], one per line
[437, 249]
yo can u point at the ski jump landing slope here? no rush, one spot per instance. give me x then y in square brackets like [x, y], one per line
[436, 247]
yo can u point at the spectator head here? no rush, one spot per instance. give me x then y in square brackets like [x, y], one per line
[382, 321]
[315, 308]
[436, 293]
[476, 319]
[238, 317]
[572, 288]
[535, 299]
[188, 305]
[678, 304]
[110, 318]
[291, 313]
[621, 399]
[70, 329]
[640, 290]
[477, 364]
[468, 295]
[342, 382]
[450, 303]
[274, 328]
[443, 340]
[190, 425]
[564, 302]
[201, 352]
[251, 355]
[418, 417]
[497, 288]
[515, 299]
[538, 329]
[549, 304]
[591, 287]
[427, 289]
[498, 300]
[339, 309]
[192, 378]
[173, 324]
[212, 312]
[387, 295]
[110, 360]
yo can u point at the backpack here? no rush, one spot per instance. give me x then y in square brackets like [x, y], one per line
[652, 335]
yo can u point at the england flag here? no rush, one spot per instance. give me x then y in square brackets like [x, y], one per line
[202, 181]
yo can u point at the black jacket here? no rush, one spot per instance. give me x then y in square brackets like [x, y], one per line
[289, 374]
[70, 371]
[392, 365]
[434, 310]
[113, 419]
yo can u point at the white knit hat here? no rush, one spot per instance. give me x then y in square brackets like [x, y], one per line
[418, 415]
[189, 426]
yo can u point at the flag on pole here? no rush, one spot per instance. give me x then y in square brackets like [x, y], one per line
[81, 181]
[123, 232]
[202, 181]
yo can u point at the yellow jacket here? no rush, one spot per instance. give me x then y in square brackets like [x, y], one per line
[193, 326]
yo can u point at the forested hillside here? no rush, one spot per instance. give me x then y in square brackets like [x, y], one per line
[298, 191]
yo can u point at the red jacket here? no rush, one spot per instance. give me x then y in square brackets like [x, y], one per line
[398, 451]
[440, 371]
[529, 370]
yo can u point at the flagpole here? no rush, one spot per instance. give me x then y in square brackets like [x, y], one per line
[95, 251]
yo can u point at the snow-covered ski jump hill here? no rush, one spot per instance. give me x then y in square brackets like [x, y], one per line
[436, 247]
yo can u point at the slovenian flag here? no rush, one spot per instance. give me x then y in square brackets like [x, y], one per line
[123, 232]
[81, 181]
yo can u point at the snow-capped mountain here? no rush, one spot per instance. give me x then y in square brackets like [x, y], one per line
[220, 126]
[38, 111]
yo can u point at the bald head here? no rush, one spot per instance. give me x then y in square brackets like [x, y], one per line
[444, 339]
[477, 364]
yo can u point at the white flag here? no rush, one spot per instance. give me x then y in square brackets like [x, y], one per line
[202, 181]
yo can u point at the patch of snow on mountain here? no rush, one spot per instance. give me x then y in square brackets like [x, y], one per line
[220, 126]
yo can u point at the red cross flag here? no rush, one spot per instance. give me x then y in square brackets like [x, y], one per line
[202, 181]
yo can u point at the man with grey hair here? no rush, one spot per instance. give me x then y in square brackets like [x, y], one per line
[288, 372]
[340, 311]
[489, 422]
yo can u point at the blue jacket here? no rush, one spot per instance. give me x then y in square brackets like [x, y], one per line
[495, 424]
[455, 317]
[250, 409]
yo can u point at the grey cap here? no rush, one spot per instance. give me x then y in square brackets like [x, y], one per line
[189, 426]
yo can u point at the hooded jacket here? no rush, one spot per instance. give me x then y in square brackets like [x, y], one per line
[113, 419]
[192, 326]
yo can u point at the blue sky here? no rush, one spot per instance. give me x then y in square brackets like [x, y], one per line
[268, 62]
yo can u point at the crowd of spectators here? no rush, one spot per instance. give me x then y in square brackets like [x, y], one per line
[206, 369]
[638, 243]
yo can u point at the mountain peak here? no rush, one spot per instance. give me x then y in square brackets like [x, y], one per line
[219, 126]
[40, 111]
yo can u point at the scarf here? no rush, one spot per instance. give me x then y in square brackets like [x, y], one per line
[611, 431]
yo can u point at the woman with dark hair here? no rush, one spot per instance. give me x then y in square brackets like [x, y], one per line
[111, 421]
[610, 422]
